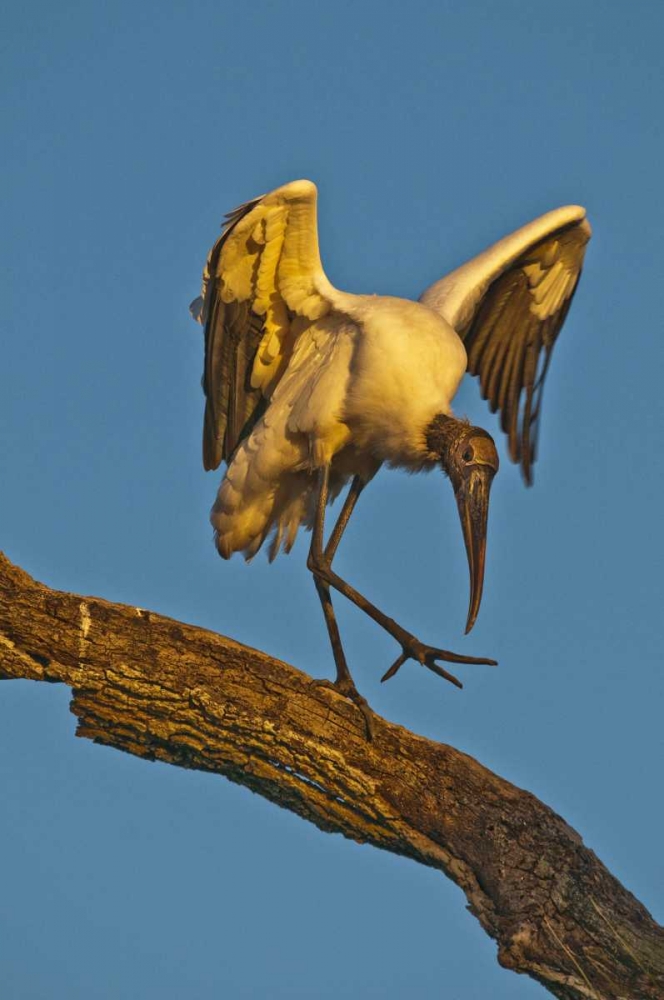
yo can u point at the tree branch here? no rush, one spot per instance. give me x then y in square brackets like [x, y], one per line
[160, 689]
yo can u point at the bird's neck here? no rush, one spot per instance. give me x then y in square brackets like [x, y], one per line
[442, 434]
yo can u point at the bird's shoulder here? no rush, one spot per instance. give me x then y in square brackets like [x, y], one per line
[391, 313]
[396, 325]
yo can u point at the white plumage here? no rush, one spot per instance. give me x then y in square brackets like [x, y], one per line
[307, 386]
[360, 387]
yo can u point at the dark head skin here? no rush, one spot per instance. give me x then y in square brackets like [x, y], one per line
[468, 456]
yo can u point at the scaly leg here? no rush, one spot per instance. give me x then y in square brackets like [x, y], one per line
[344, 682]
[411, 648]
[352, 497]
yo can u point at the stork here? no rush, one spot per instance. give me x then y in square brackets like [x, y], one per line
[308, 388]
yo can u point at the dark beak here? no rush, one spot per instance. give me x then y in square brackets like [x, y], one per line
[472, 496]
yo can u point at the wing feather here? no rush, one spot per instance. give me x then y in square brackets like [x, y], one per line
[508, 305]
[262, 273]
[511, 375]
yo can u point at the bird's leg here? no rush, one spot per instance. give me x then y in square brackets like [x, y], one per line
[344, 682]
[352, 497]
[319, 562]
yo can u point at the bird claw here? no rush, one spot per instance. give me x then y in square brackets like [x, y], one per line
[346, 688]
[413, 649]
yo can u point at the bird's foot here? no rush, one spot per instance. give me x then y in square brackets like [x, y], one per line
[413, 649]
[346, 687]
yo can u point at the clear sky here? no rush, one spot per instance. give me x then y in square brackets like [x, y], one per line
[431, 129]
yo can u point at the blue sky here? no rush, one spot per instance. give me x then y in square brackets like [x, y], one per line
[431, 129]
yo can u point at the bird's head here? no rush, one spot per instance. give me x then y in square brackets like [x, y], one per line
[468, 456]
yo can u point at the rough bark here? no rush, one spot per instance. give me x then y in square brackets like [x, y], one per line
[161, 689]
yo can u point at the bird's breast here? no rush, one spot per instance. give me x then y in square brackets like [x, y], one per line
[407, 368]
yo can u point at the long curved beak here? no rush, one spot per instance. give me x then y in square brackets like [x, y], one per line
[472, 496]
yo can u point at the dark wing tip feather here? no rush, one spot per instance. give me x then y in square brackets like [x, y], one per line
[509, 346]
[211, 444]
[232, 334]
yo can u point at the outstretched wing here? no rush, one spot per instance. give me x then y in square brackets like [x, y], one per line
[508, 305]
[262, 274]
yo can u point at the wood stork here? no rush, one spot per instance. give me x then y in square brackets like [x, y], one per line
[308, 387]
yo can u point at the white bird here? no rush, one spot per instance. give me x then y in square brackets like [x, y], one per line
[308, 387]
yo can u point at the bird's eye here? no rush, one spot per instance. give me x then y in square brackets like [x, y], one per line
[467, 456]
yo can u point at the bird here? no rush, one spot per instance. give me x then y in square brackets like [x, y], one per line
[309, 389]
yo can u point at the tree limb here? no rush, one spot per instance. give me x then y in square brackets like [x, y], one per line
[161, 689]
